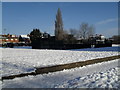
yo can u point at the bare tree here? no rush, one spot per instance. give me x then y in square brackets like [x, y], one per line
[86, 31]
[74, 32]
[91, 31]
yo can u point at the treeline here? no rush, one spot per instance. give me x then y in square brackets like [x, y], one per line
[115, 39]
[37, 34]
[71, 36]
[83, 33]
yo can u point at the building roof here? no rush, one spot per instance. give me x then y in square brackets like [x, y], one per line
[24, 36]
[1, 37]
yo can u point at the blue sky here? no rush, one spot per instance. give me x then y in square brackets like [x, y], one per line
[20, 17]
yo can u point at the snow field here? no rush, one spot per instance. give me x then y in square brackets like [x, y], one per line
[101, 75]
[16, 61]
[108, 79]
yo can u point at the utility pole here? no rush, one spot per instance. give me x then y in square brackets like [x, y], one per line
[4, 31]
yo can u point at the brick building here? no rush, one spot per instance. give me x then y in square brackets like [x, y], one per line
[8, 38]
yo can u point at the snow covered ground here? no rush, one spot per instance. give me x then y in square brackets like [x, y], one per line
[102, 75]
[15, 61]
[114, 48]
[24, 47]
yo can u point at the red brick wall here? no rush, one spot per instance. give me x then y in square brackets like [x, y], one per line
[15, 40]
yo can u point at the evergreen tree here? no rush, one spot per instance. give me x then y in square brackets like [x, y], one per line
[35, 34]
[20, 38]
[59, 26]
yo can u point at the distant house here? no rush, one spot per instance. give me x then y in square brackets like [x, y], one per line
[24, 38]
[8, 39]
[0, 41]
[100, 39]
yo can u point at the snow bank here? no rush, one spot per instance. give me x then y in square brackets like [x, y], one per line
[102, 75]
[115, 45]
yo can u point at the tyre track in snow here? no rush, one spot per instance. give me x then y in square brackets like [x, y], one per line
[45, 70]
